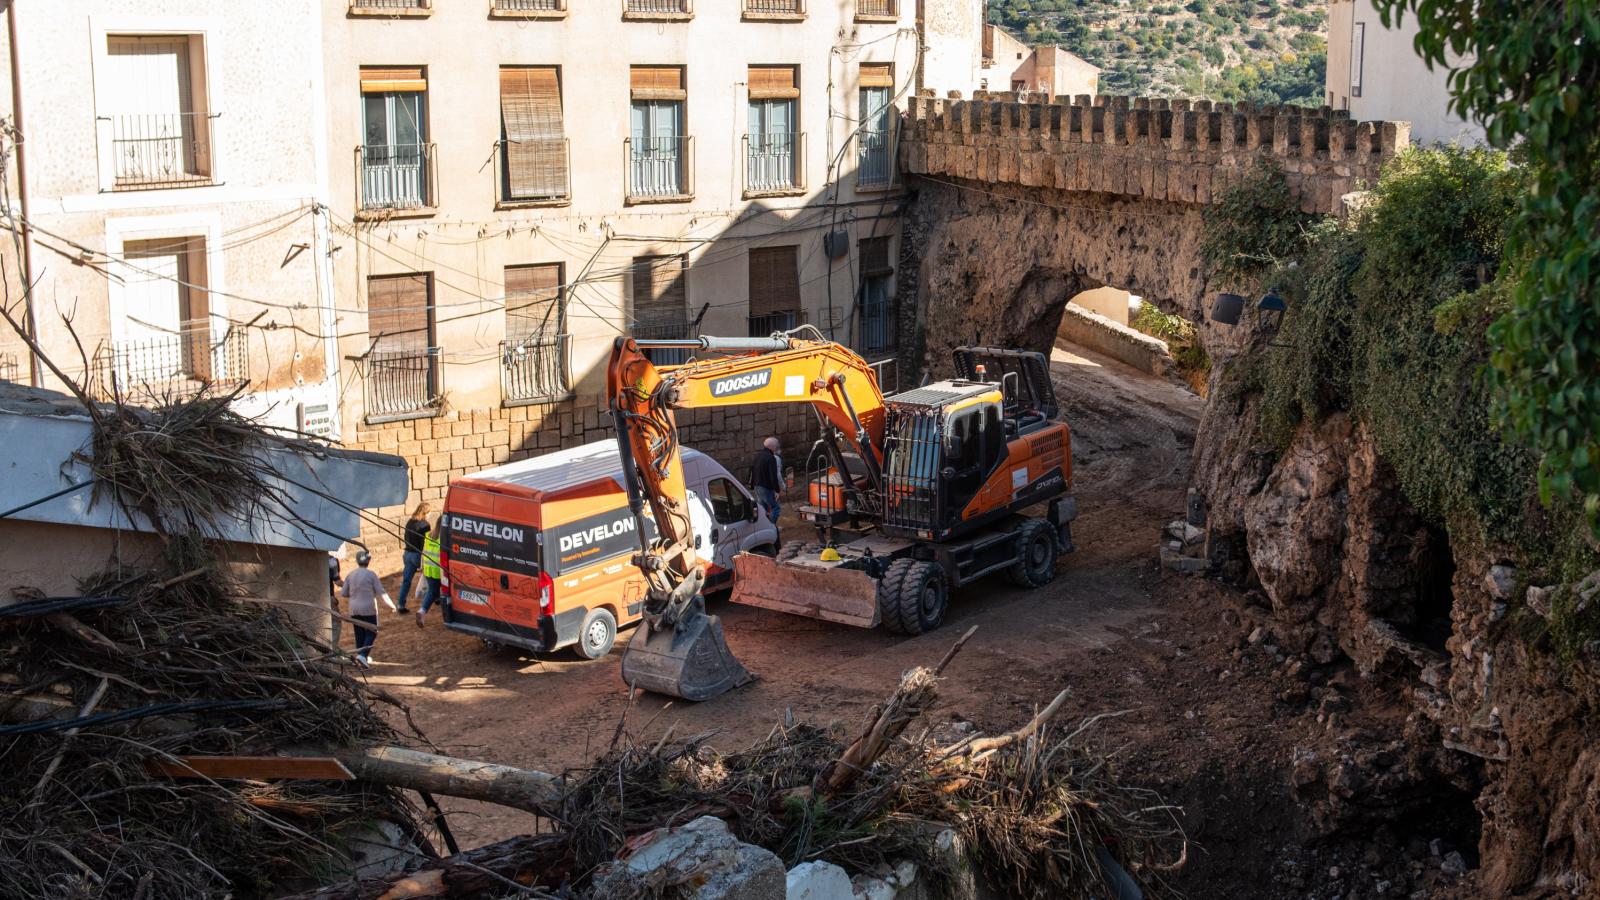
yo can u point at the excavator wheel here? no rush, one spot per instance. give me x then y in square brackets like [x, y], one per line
[1036, 555]
[912, 596]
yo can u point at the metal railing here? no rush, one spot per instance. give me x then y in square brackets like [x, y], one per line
[532, 171]
[775, 7]
[882, 9]
[764, 325]
[665, 331]
[516, 6]
[401, 383]
[877, 324]
[9, 370]
[659, 167]
[395, 176]
[888, 374]
[179, 364]
[160, 149]
[383, 5]
[774, 162]
[875, 156]
[535, 368]
[658, 7]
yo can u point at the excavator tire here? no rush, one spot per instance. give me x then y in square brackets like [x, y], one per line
[1036, 555]
[912, 597]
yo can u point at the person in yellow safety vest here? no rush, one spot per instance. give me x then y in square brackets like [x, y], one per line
[432, 572]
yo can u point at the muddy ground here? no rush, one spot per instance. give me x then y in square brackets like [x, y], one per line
[1198, 709]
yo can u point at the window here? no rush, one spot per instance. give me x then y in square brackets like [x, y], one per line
[658, 150]
[528, 9]
[1358, 48]
[533, 145]
[873, 135]
[877, 325]
[395, 157]
[774, 9]
[774, 290]
[773, 142]
[169, 341]
[876, 10]
[402, 376]
[657, 9]
[533, 357]
[729, 505]
[391, 7]
[154, 105]
[661, 303]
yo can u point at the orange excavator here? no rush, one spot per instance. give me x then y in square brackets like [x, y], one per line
[912, 494]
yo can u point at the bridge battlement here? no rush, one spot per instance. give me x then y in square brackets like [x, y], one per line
[1182, 151]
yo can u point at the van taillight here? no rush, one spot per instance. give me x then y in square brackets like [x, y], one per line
[547, 595]
[444, 570]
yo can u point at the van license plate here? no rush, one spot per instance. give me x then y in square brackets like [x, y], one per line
[473, 597]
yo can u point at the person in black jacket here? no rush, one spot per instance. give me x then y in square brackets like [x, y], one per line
[416, 533]
[766, 471]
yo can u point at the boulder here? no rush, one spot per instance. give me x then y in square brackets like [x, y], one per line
[697, 861]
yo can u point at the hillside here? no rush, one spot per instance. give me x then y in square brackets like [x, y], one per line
[1265, 51]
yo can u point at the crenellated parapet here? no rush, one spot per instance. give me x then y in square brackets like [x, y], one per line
[1184, 151]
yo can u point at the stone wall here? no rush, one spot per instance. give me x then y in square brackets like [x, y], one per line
[460, 442]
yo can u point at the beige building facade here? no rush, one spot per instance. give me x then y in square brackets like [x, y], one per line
[1010, 65]
[1376, 74]
[166, 197]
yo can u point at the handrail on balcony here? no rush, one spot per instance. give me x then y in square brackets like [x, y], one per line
[533, 171]
[877, 9]
[154, 150]
[659, 168]
[178, 364]
[659, 330]
[773, 322]
[396, 176]
[658, 7]
[8, 367]
[775, 7]
[535, 369]
[402, 384]
[774, 162]
[360, 5]
[876, 157]
[530, 6]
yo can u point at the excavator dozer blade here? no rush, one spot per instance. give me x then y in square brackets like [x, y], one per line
[806, 588]
[691, 661]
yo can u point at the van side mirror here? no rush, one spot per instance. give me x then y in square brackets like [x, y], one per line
[751, 511]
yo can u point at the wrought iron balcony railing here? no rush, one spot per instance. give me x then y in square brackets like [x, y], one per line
[653, 8]
[388, 5]
[877, 9]
[665, 331]
[533, 171]
[396, 176]
[530, 6]
[402, 384]
[9, 370]
[659, 168]
[769, 323]
[774, 7]
[774, 162]
[179, 364]
[158, 150]
[875, 163]
[535, 369]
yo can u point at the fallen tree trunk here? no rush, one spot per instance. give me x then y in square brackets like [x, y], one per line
[495, 870]
[524, 789]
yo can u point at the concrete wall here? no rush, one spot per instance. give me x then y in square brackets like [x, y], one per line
[1395, 83]
[1109, 302]
[1087, 328]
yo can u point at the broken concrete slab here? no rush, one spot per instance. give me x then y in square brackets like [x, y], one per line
[697, 861]
[818, 880]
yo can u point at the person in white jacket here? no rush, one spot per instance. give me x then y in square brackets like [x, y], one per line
[362, 588]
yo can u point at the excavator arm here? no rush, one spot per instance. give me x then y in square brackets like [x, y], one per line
[679, 650]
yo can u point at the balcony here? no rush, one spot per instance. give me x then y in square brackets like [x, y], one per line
[160, 150]
[402, 384]
[772, 323]
[658, 10]
[172, 366]
[659, 169]
[408, 8]
[9, 369]
[528, 9]
[396, 178]
[535, 369]
[663, 331]
[533, 173]
[877, 10]
[774, 164]
[779, 10]
[875, 157]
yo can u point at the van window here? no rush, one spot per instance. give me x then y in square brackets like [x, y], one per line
[728, 503]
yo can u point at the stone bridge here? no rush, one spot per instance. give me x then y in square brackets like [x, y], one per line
[1022, 203]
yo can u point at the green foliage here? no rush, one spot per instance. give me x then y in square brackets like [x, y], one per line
[1253, 228]
[1193, 363]
[1528, 72]
[1293, 81]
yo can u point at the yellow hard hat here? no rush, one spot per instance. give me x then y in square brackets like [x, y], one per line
[829, 555]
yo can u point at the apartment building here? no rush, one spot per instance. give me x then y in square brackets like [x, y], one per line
[165, 198]
[1010, 65]
[1376, 74]
[516, 183]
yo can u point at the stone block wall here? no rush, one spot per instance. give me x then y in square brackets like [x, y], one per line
[1180, 151]
[460, 442]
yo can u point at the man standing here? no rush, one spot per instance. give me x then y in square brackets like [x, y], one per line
[767, 473]
[363, 588]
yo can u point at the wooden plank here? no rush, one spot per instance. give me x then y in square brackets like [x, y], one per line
[256, 768]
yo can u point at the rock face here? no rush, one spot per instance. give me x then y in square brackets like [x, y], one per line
[1350, 571]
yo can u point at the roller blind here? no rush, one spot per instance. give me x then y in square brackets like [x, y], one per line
[530, 114]
[660, 290]
[773, 83]
[875, 256]
[774, 281]
[877, 75]
[385, 79]
[657, 83]
[533, 308]
[398, 317]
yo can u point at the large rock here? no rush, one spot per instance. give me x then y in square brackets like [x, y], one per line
[819, 880]
[697, 861]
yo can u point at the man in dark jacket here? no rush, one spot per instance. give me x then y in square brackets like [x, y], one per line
[767, 475]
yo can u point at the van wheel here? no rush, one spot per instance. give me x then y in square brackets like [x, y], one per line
[1036, 555]
[598, 634]
[912, 597]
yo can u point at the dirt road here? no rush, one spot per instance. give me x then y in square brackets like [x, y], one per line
[1132, 435]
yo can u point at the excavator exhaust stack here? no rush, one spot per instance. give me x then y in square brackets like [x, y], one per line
[691, 661]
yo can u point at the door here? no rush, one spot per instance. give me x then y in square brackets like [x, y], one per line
[393, 157]
[772, 138]
[731, 512]
[656, 130]
[874, 135]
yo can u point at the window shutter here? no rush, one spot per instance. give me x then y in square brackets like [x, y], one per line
[877, 75]
[398, 313]
[661, 291]
[530, 113]
[773, 83]
[657, 83]
[385, 79]
[533, 307]
[875, 256]
[774, 281]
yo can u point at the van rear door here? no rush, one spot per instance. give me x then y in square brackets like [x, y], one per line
[494, 558]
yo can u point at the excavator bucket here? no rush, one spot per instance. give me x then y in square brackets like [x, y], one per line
[805, 587]
[691, 661]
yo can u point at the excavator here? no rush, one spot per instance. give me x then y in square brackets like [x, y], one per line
[912, 494]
